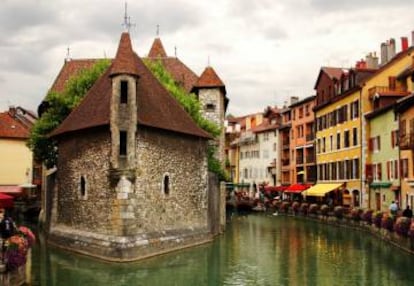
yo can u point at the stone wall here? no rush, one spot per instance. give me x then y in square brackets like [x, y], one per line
[86, 155]
[214, 96]
[137, 218]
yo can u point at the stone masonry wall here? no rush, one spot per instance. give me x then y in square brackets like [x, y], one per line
[88, 156]
[214, 96]
[181, 158]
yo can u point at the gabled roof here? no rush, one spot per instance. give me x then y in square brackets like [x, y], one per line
[334, 73]
[156, 107]
[157, 49]
[12, 127]
[70, 68]
[182, 74]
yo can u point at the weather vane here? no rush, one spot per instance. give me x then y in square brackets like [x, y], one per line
[127, 19]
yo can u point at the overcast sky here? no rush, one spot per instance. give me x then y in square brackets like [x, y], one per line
[264, 50]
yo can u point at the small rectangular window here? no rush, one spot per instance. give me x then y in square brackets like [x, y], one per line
[124, 91]
[122, 143]
[210, 107]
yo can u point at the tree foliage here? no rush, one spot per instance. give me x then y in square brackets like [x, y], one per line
[59, 107]
[190, 104]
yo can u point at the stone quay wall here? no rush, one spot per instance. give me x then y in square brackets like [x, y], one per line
[119, 224]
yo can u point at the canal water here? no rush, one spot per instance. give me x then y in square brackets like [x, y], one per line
[255, 250]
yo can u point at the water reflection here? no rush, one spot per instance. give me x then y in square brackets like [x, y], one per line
[255, 250]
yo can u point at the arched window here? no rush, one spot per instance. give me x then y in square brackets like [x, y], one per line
[83, 187]
[166, 185]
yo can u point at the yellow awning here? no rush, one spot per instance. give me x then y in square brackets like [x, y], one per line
[319, 190]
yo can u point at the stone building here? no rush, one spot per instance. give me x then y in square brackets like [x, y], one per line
[208, 87]
[131, 177]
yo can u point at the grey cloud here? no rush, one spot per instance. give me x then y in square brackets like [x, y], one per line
[330, 6]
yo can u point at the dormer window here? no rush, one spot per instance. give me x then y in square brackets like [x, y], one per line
[210, 107]
[124, 91]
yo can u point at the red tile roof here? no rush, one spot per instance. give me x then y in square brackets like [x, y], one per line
[209, 78]
[157, 108]
[70, 68]
[333, 72]
[11, 127]
[157, 49]
[125, 62]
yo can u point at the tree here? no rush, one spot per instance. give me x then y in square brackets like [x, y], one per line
[59, 106]
[190, 104]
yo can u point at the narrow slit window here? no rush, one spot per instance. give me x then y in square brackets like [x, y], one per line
[122, 143]
[82, 186]
[166, 185]
[124, 91]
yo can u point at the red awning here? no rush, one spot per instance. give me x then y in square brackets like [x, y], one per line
[6, 201]
[275, 188]
[11, 190]
[297, 188]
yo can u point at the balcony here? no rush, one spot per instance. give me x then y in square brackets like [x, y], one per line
[385, 90]
[407, 141]
[299, 160]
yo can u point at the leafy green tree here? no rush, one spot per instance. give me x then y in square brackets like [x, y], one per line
[60, 105]
[190, 104]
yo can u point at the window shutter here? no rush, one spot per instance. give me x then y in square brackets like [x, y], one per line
[392, 139]
[368, 171]
[370, 144]
[379, 171]
[379, 142]
[388, 170]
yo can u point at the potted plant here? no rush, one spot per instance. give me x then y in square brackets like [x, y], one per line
[402, 226]
[304, 207]
[387, 222]
[376, 218]
[339, 212]
[356, 214]
[367, 216]
[295, 207]
[313, 209]
[324, 210]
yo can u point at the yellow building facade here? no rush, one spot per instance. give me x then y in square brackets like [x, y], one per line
[16, 162]
[338, 146]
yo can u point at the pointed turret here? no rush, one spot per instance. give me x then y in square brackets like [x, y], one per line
[157, 49]
[209, 78]
[124, 62]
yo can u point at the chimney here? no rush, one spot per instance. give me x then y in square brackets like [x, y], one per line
[391, 49]
[375, 62]
[404, 43]
[294, 99]
[384, 54]
[368, 59]
[12, 111]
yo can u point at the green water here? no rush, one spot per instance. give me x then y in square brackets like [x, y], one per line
[255, 250]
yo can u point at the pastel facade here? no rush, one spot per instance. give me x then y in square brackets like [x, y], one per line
[405, 113]
[16, 164]
[303, 163]
[384, 168]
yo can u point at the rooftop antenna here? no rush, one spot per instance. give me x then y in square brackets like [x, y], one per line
[175, 51]
[127, 19]
[67, 54]
[158, 30]
[208, 61]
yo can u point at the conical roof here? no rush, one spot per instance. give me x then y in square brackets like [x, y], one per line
[155, 106]
[157, 49]
[209, 78]
[124, 62]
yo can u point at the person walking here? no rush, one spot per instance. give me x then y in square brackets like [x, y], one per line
[408, 212]
[393, 208]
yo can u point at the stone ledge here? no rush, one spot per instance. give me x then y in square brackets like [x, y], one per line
[125, 248]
